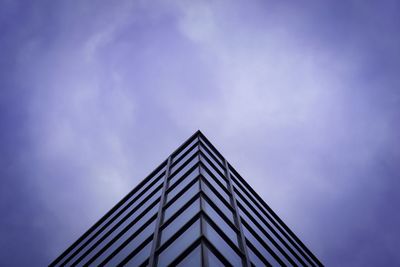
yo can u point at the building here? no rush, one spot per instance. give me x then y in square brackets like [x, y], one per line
[192, 210]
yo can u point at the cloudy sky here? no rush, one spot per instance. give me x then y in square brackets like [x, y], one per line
[302, 97]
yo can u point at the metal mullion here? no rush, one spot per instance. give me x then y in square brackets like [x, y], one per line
[221, 213]
[182, 178]
[259, 226]
[121, 233]
[222, 234]
[104, 218]
[279, 222]
[242, 239]
[268, 225]
[156, 238]
[218, 195]
[212, 165]
[179, 194]
[179, 211]
[108, 223]
[179, 232]
[215, 179]
[268, 248]
[210, 246]
[204, 257]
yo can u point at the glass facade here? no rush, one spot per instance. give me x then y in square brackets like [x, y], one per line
[192, 210]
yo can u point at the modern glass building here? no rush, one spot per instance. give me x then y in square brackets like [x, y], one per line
[192, 210]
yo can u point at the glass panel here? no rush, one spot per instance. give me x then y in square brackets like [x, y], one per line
[131, 246]
[216, 185]
[186, 148]
[254, 258]
[219, 176]
[216, 164]
[264, 237]
[140, 257]
[222, 246]
[217, 201]
[176, 165]
[212, 151]
[213, 260]
[193, 259]
[114, 218]
[260, 247]
[280, 231]
[176, 176]
[124, 224]
[178, 246]
[179, 221]
[183, 183]
[179, 202]
[220, 222]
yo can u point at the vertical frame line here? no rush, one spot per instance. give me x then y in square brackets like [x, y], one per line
[156, 236]
[242, 240]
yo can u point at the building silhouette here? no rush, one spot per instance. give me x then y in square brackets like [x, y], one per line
[192, 210]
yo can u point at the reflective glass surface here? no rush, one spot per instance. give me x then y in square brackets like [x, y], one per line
[133, 244]
[179, 202]
[179, 221]
[224, 248]
[182, 183]
[193, 259]
[178, 246]
[213, 214]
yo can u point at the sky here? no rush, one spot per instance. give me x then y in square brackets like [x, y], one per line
[301, 97]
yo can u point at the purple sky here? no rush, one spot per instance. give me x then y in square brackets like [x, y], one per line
[302, 98]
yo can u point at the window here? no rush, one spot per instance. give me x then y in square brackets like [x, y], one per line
[139, 257]
[227, 228]
[177, 247]
[223, 247]
[130, 243]
[223, 206]
[179, 221]
[182, 172]
[193, 259]
[185, 157]
[185, 149]
[183, 182]
[211, 156]
[220, 187]
[177, 203]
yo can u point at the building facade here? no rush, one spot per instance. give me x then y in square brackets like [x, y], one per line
[192, 210]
